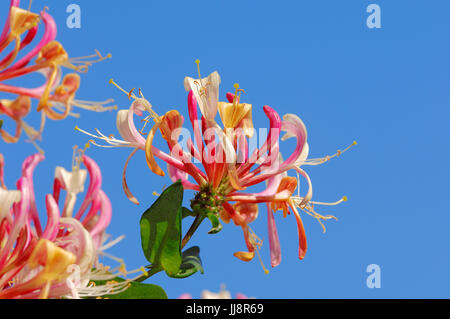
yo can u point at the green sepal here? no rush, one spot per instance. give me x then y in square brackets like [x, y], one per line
[215, 222]
[191, 263]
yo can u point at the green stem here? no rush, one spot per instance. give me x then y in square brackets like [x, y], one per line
[197, 221]
[150, 273]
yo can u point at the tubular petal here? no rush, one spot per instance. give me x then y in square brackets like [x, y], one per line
[274, 241]
[125, 187]
[302, 246]
[149, 151]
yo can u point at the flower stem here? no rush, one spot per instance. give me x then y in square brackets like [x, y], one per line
[150, 273]
[197, 221]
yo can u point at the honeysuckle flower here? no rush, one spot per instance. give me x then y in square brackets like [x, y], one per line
[56, 94]
[229, 166]
[222, 294]
[60, 259]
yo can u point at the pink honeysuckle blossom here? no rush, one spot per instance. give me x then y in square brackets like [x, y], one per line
[222, 294]
[38, 261]
[56, 94]
[229, 166]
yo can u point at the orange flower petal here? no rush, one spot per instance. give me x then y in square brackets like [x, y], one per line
[149, 153]
[244, 255]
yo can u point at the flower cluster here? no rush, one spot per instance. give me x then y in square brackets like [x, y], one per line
[56, 94]
[60, 259]
[230, 166]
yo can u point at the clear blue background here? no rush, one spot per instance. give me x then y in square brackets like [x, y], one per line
[386, 88]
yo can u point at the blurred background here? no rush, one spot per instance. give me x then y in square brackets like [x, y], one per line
[387, 88]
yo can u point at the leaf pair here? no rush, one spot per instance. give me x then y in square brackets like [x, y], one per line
[161, 235]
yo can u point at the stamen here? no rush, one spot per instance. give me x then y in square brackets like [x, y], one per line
[123, 269]
[112, 141]
[144, 271]
[111, 81]
[77, 155]
[75, 147]
[33, 135]
[145, 124]
[310, 211]
[257, 243]
[147, 105]
[236, 86]
[82, 64]
[318, 161]
[94, 106]
[112, 243]
[198, 68]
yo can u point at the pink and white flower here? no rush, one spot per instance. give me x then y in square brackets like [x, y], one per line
[229, 166]
[56, 94]
[35, 259]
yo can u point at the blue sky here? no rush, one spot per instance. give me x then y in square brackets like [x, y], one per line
[386, 88]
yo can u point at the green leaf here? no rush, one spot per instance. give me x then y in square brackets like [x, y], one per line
[136, 290]
[1, 123]
[216, 225]
[191, 263]
[139, 290]
[161, 230]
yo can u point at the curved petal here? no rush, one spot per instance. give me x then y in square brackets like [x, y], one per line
[302, 246]
[149, 151]
[176, 174]
[7, 199]
[28, 167]
[274, 241]
[125, 187]
[52, 228]
[2, 166]
[48, 36]
[103, 221]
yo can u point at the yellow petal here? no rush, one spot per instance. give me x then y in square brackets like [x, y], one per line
[170, 125]
[52, 52]
[232, 114]
[22, 20]
[54, 259]
[244, 255]
[233, 178]
[247, 124]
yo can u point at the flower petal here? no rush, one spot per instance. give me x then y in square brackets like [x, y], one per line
[125, 187]
[206, 92]
[274, 241]
[149, 151]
